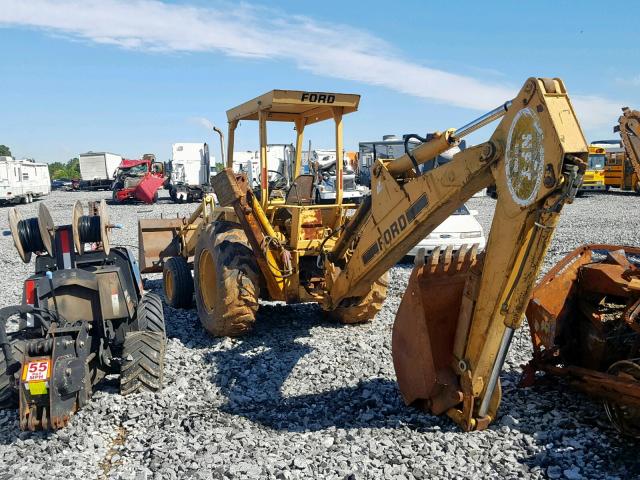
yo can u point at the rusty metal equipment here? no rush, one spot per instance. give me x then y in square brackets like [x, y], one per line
[626, 170]
[584, 317]
[458, 315]
[83, 315]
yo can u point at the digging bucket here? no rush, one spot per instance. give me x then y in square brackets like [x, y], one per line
[425, 328]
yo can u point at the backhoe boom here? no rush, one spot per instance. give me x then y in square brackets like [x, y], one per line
[629, 128]
[458, 314]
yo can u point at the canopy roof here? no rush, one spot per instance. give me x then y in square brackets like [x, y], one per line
[291, 105]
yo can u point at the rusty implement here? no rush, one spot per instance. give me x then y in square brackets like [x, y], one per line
[584, 318]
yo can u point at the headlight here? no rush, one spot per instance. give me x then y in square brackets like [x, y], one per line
[470, 234]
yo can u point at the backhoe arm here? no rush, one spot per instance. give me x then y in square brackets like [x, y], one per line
[459, 311]
[629, 128]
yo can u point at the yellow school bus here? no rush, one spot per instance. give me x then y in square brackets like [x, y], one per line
[594, 177]
[619, 172]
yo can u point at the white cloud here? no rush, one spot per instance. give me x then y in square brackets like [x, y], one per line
[242, 30]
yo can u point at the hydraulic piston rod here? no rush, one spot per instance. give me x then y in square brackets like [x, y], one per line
[495, 371]
[444, 141]
[481, 121]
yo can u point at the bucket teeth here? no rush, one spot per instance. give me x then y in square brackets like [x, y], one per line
[447, 261]
[461, 257]
[434, 259]
[448, 255]
[473, 253]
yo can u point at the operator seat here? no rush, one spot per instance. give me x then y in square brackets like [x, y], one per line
[301, 191]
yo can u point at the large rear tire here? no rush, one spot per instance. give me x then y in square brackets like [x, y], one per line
[9, 383]
[367, 308]
[226, 280]
[142, 362]
[177, 283]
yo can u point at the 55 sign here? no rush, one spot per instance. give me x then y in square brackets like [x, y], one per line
[36, 370]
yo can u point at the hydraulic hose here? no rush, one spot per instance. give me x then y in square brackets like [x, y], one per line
[12, 364]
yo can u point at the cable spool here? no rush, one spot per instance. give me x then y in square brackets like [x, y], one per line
[32, 235]
[91, 228]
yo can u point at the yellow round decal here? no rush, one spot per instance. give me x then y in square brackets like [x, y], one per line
[524, 159]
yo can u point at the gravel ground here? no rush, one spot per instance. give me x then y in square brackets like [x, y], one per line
[305, 398]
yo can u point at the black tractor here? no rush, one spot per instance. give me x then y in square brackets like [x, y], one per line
[84, 315]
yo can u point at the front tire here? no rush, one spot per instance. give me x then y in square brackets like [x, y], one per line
[226, 278]
[177, 283]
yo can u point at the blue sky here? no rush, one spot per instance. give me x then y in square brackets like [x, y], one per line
[135, 76]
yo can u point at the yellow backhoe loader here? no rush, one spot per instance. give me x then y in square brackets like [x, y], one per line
[623, 169]
[460, 309]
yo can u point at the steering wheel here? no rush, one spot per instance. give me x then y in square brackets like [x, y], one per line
[279, 183]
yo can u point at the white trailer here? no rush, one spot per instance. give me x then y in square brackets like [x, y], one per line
[98, 170]
[23, 180]
[190, 171]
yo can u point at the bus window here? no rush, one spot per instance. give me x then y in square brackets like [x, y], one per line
[596, 162]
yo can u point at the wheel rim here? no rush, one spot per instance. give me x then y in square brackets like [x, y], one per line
[206, 280]
[169, 285]
[625, 418]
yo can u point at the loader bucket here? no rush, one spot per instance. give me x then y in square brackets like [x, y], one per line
[425, 328]
[157, 241]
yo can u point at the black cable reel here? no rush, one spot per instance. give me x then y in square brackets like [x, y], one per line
[37, 234]
[92, 228]
[32, 235]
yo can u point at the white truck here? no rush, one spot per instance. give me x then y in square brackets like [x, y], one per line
[280, 161]
[98, 170]
[21, 181]
[323, 165]
[190, 172]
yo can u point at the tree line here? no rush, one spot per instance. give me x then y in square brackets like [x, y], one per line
[70, 169]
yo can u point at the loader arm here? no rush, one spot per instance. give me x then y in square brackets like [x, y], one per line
[458, 314]
[629, 128]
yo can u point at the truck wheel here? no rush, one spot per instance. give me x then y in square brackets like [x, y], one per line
[142, 362]
[226, 278]
[172, 195]
[177, 283]
[8, 383]
[150, 315]
[155, 197]
[367, 308]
